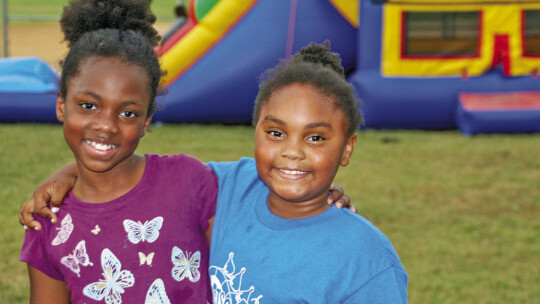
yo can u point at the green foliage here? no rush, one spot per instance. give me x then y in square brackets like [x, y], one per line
[462, 212]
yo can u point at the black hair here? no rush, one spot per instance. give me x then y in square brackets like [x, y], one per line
[111, 28]
[317, 66]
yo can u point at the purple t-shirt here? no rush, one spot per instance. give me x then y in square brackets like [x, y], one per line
[147, 246]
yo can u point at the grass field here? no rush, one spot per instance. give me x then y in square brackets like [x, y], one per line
[462, 212]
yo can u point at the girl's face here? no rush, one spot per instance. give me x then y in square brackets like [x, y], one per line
[300, 142]
[104, 113]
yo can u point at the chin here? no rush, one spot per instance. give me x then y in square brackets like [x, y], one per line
[292, 197]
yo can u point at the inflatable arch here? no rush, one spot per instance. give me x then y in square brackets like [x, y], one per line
[417, 57]
[214, 61]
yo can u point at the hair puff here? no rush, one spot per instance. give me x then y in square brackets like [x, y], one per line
[83, 16]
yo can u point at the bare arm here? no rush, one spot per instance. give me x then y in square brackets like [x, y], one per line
[209, 230]
[55, 188]
[46, 290]
[52, 190]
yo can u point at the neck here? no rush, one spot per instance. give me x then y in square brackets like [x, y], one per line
[99, 187]
[296, 210]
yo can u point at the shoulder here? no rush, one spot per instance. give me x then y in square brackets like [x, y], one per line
[63, 217]
[239, 176]
[175, 159]
[361, 233]
[242, 168]
[237, 180]
[177, 164]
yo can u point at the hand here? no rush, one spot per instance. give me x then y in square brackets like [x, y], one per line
[52, 190]
[338, 197]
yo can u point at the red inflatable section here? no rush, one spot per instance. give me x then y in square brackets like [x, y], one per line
[500, 101]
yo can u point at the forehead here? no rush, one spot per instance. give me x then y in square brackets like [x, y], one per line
[105, 66]
[302, 103]
[112, 73]
[112, 81]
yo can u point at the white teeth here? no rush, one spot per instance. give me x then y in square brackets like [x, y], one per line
[294, 172]
[101, 147]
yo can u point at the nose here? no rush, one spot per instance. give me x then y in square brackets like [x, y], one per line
[106, 122]
[293, 149]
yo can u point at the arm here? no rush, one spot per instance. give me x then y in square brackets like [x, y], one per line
[208, 232]
[52, 190]
[46, 290]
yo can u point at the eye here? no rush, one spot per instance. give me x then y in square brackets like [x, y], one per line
[275, 133]
[88, 106]
[128, 114]
[316, 138]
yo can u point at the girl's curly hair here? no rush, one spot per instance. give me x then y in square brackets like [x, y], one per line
[315, 65]
[111, 28]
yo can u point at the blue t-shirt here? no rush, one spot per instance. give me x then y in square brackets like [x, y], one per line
[257, 257]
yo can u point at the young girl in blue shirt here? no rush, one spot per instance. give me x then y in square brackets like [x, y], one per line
[275, 239]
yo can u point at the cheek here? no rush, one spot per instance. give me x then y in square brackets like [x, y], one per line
[132, 134]
[73, 124]
[327, 160]
[259, 145]
[261, 153]
[265, 153]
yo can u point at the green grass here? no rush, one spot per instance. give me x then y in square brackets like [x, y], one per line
[462, 212]
[161, 8]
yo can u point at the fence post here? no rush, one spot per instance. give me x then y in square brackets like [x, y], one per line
[5, 28]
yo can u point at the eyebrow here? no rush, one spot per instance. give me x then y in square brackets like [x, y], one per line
[322, 124]
[91, 94]
[273, 119]
[312, 125]
[129, 102]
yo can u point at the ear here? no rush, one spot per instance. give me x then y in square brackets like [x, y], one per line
[349, 148]
[146, 125]
[60, 108]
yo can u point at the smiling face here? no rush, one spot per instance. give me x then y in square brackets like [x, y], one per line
[300, 142]
[104, 113]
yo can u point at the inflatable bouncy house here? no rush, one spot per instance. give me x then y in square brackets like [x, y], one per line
[28, 88]
[437, 64]
[422, 64]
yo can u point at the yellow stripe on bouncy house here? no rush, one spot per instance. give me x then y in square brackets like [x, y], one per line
[497, 19]
[202, 37]
[349, 10]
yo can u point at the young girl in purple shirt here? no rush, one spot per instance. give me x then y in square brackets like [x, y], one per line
[132, 230]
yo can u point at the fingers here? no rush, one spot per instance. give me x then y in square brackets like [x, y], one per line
[343, 201]
[59, 190]
[336, 192]
[40, 200]
[48, 213]
[338, 197]
[26, 218]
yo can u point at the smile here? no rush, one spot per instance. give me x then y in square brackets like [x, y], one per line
[100, 146]
[292, 172]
